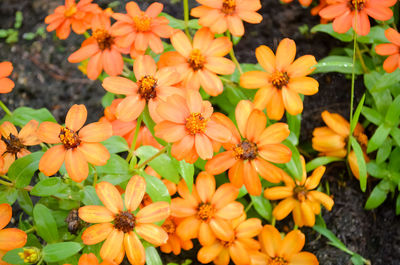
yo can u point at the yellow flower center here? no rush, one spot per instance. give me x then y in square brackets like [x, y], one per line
[13, 144]
[245, 150]
[228, 7]
[169, 226]
[300, 193]
[70, 11]
[69, 138]
[205, 212]
[196, 60]
[279, 79]
[30, 255]
[103, 38]
[124, 221]
[357, 4]
[142, 22]
[277, 261]
[147, 87]
[196, 123]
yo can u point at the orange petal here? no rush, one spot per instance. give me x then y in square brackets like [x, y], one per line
[236, 174]
[144, 65]
[134, 248]
[239, 253]
[170, 131]
[130, 108]
[307, 213]
[11, 238]
[6, 85]
[291, 244]
[222, 229]
[231, 211]
[95, 214]
[205, 184]
[203, 146]
[119, 85]
[276, 153]
[76, 117]
[49, 132]
[284, 208]
[274, 134]
[219, 47]
[278, 193]
[88, 259]
[267, 170]
[113, 244]
[249, 228]
[220, 163]
[225, 194]
[8, 128]
[322, 198]
[96, 233]
[153, 213]
[242, 113]
[134, 192]
[182, 208]
[304, 85]
[52, 160]
[5, 214]
[270, 240]
[292, 101]
[83, 53]
[28, 135]
[109, 196]
[6, 69]
[304, 258]
[206, 235]
[251, 180]
[275, 106]
[95, 153]
[263, 96]
[337, 123]
[255, 125]
[209, 253]
[188, 228]
[393, 36]
[181, 43]
[76, 165]
[391, 63]
[152, 233]
[254, 79]
[302, 66]
[96, 132]
[220, 65]
[266, 58]
[285, 54]
[313, 181]
[217, 132]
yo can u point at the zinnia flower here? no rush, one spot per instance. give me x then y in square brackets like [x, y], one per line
[392, 49]
[6, 84]
[283, 80]
[354, 13]
[13, 144]
[10, 238]
[188, 125]
[91, 259]
[331, 140]
[72, 14]
[207, 212]
[139, 30]
[79, 145]
[117, 224]
[285, 251]
[152, 87]
[300, 197]
[101, 49]
[239, 248]
[249, 152]
[174, 244]
[200, 63]
[221, 15]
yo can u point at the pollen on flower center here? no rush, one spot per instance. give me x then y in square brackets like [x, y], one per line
[357, 4]
[279, 79]
[196, 60]
[226, 244]
[300, 193]
[205, 212]
[69, 138]
[103, 38]
[245, 150]
[124, 221]
[228, 7]
[277, 261]
[142, 22]
[147, 87]
[196, 123]
[169, 226]
[70, 11]
[13, 143]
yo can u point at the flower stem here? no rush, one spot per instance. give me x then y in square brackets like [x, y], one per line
[4, 107]
[128, 60]
[141, 165]
[95, 176]
[186, 17]
[353, 77]
[248, 206]
[6, 183]
[133, 144]
[30, 230]
[364, 67]
[232, 54]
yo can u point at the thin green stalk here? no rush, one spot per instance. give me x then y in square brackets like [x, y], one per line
[232, 54]
[295, 227]
[359, 54]
[128, 60]
[4, 107]
[95, 176]
[32, 229]
[133, 144]
[86, 34]
[6, 183]
[248, 206]
[5, 177]
[273, 221]
[186, 17]
[141, 165]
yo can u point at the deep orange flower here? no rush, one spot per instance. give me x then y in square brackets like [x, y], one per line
[249, 152]
[139, 30]
[79, 145]
[300, 197]
[304, 3]
[283, 80]
[91, 259]
[344, 14]
[10, 238]
[13, 144]
[200, 63]
[174, 244]
[101, 49]
[6, 84]
[285, 251]
[207, 212]
[221, 15]
[152, 87]
[239, 248]
[117, 224]
[331, 140]
[72, 14]
[392, 49]
[169, 184]
[188, 125]
[322, 4]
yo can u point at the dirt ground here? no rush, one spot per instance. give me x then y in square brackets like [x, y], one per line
[44, 78]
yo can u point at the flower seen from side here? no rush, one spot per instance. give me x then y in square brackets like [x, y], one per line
[174, 244]
[392, 50]
[6, 84]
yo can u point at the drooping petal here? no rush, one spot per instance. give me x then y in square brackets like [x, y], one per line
[76, 117]
[109, 196]
[284, 208]
[336, 122]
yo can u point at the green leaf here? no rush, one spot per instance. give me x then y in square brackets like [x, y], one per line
[45, 223]
[356, 115]
[393, 113]
[294, 165]
[384, 151]
[340, 64]
[116, 144]
[107, 99]
[361, 163]
[327, 28]
[294, 122]
[174, 22]
[156, 188]
[152, 256]
[398, 205]
[22, 170]
[28, 36]
[24, 200]
[378, 138]
[334, 241]
[186, 170]
[8, 194]
[357, 259]
[12, 257]
[116, 179]
[48, 187]
[23, 115]
[18, 19]
[60, 251]
[395, 133]
[377, 170]
[372, 115]
[115, 165]
[89, 196]
[375, 35]
[378, 195]
[321, 161]
[262, 206]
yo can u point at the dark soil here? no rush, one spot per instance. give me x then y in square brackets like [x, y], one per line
[44, 78]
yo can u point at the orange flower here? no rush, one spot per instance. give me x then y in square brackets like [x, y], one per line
[174, 243]
[118, 227]
[10, 238]
[300, 197]
[392, 49]
[139, 30]
[152, 87]
[344, 14]
[239, 248]
[101, 49]
[283, 80]
[221, 15]
[6, 84]
[249, 152]
[304, 3]
[188, 125]
[169, 184]
[71, 14]
[14, 144]
[282, 251]
[201, 62]
[332, 140]
[91, 259]
[79, 145]
[322, 4]
[207, 212]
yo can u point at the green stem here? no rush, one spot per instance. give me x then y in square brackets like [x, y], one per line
[32, 229]
[128, 60]
[232, 54]
[364, 67]
[133, 144]
[273, 221]
[95, 176]
[248, 206]
[86, 34]
[186, 17]
[6, 183]
[5, 177]
[141, 165]
[295, 227]
[353, 79]
[4, 107]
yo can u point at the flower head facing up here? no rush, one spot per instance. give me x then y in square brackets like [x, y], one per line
[392, 50]
[354, 14]
[188, 124]
[117, 224]
[223, 15]
[79, 145]
[91, 259]
[6, 84]
[252, 149]
[285, 251]
[282, 81]
[300, 197]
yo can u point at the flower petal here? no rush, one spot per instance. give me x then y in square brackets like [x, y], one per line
[222, 229]
[284, 208]
[230, 211]
[52, 160]
[188, 228]
[119, 85]
[292, 243]
[304, 85]
[254, 79]
[270, 240]
[255, 125]
[134, 192]
[11, 238]
[96, 132]
[110, 196]
[152, 233]
[205, 185]
[76, 165]
[5, 214]
[285, 54]
[134, 248]
[95, 214]
[130, 108]
[49, 132]
[112, 246]
[181, 43]
[76, 117]
[203, 146]
[276, 153]
[266, 58]
[302, 66]
[249, 228]
[251, 180]
[208, 253]
[206, 235]
[94, 153]
[154, 212]
[292, 101]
